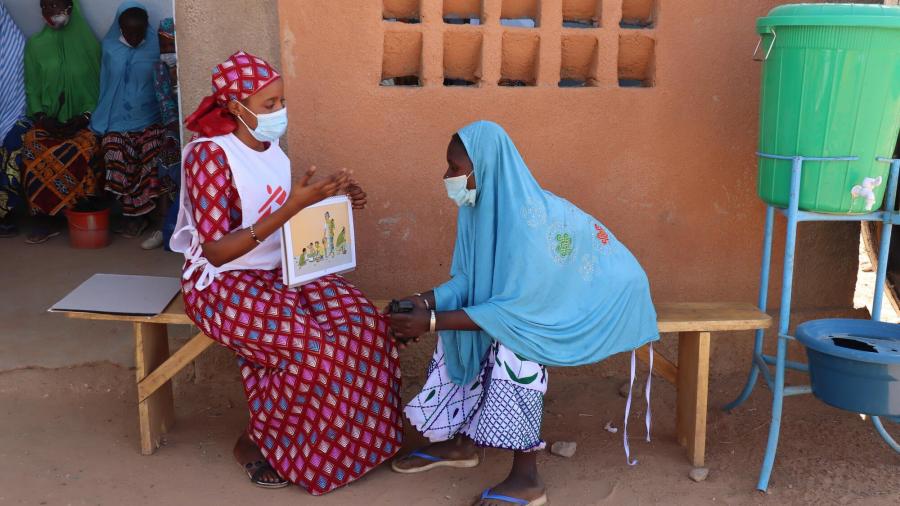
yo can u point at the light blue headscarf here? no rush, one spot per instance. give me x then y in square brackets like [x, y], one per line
[536, 273]
[12, 73]
[127, 95]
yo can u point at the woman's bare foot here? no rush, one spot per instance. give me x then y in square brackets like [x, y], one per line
[523, 483]
[252, 461]
[458, 448]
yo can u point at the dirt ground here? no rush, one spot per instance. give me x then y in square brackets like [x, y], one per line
[70, 438]
[68, 423]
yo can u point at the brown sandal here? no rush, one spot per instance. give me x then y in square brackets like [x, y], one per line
[41, 235]
[255, 471]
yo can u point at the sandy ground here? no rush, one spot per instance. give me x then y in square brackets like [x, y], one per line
[68, 424]
[70, 438]
[35, 277]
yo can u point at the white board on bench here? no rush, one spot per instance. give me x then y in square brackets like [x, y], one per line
[121, 294]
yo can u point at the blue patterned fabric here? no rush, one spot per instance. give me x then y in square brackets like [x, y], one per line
[11, 168]
[502, 408]
[12, 73]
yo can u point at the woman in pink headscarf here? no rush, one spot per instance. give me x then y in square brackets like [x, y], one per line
[320, 373]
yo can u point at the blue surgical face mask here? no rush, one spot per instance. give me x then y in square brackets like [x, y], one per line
[457, 191]
[269, 127]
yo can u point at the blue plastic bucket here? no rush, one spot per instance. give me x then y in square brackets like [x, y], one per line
[854, 364]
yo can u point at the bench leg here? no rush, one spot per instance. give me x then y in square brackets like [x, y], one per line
[693, 388]
[662, 366]
[165, 372]
[157, 411]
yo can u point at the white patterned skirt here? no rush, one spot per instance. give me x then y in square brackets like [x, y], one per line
[502, 408]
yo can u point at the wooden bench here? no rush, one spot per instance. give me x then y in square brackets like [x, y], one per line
[692, 321]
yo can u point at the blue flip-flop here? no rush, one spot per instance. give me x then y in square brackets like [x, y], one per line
[487, 494]
[433, 462]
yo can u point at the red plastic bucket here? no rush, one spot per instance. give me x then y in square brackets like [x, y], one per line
[88, 229]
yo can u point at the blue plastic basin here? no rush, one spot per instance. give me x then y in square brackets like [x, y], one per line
[854, 364]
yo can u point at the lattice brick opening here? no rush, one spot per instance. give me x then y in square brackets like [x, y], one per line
[636, 61]
[405, 11]
[463, 12]
[487, 43]
[582, 13]
[402, 62]
[462, 58]
[578, 66]
[639, 13]
[519, 59]
[524, 13]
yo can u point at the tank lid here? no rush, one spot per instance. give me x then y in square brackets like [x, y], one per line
[862, 15]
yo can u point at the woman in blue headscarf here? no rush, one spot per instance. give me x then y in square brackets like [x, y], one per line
[535, 282]
[128, 116]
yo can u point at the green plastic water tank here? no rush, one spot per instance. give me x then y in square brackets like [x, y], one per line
[830, 88]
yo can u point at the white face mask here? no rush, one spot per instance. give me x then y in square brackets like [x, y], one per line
[59, 20]
[123, 41]
[457, 191]
[269, 127]
[170, 59]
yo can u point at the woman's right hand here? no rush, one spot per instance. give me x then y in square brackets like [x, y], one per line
[304, 193]
[418, 303]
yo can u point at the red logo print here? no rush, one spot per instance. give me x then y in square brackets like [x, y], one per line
[602, 235]
[276, 196]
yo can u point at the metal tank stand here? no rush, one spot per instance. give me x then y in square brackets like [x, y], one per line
[762, 364]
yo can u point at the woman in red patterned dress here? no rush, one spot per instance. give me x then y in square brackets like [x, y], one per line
[320, 373]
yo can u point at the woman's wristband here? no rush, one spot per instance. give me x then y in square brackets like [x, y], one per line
[253, 235]
[433, 325]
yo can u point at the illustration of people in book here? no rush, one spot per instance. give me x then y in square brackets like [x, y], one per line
[329, 230]
[321, 238]
[341, 242]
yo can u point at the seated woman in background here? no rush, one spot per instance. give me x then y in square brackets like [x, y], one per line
[12, 114]
[165, 82]
[128, 116]
[62, 72]
[535, 282]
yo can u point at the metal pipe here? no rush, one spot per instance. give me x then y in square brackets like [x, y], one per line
[797, 390]
[876, 421]
[762, 301]
[764, 370]
[784, 324]
[791, 364]
[885, 246]
[809, 158]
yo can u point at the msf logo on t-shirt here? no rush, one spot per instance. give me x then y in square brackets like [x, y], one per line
[277, 197]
